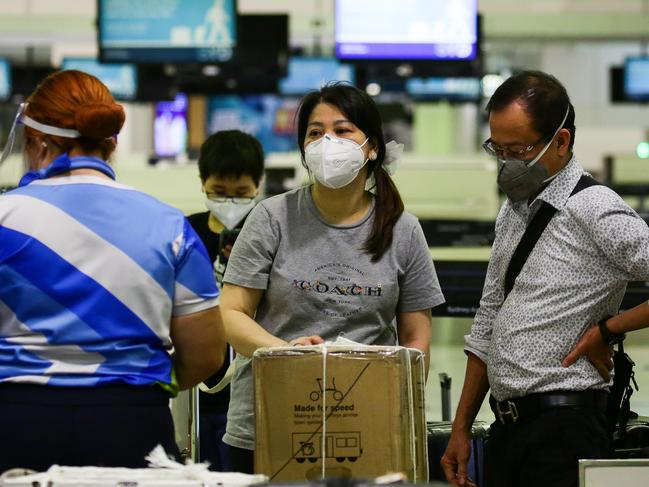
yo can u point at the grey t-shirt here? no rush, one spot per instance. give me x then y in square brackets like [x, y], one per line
[318, 280]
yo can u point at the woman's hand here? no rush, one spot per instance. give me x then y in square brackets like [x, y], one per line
[306, 340]
[238, 306]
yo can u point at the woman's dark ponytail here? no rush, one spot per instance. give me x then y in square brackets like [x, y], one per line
[387, 211]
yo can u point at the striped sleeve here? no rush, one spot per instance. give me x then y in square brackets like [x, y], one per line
[195, 287]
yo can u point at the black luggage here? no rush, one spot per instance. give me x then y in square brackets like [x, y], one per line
[438, 436]
[634, 442]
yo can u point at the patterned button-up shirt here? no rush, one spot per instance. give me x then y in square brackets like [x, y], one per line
[576, 274]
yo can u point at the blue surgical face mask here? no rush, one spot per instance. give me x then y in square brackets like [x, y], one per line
[521, 180]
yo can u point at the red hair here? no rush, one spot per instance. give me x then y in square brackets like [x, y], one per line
[76, 100]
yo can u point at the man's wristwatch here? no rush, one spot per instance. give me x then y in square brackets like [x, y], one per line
[608, 336]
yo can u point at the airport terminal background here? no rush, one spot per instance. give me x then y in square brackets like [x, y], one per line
[597, 48]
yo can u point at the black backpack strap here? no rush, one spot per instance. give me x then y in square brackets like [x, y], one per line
[528, 241]
[533, 233]
[584, 182]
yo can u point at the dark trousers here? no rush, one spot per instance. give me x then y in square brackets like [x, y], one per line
[111, 426]
[544, 450]
[242, 460]
[213, 450]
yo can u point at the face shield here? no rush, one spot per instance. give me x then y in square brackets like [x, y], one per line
[14, 148]
[15, 140]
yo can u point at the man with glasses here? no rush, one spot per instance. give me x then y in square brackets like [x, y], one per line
[536, 304]
[231, 167]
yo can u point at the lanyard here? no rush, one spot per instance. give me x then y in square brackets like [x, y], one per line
[63, 164]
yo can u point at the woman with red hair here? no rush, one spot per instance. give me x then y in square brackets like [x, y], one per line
[98, 284]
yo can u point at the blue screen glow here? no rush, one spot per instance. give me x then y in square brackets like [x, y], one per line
[121, 79]
[410, 29]
[170, 127]
[636, 78]
[268, 117]
[5, 79]
[309, 74]
[444, 88]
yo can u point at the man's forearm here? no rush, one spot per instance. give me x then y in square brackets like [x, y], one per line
[633, 319]
[476, 386]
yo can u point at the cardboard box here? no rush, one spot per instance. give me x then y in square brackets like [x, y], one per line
[339, 411]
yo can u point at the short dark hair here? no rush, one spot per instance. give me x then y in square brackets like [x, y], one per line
[360, 109]
[543, 97]
[231, 153]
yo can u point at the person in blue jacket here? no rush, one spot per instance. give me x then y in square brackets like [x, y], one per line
[108, 304]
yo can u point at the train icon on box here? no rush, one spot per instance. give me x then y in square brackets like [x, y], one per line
[342, 445]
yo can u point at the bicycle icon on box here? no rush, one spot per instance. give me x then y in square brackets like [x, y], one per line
[317, 394]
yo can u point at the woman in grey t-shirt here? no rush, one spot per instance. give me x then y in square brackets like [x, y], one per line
[327, 258]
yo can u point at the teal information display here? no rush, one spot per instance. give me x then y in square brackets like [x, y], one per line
[452, 89]
[168, 31]
[5, 79]
[636, 78]
[121, 79]
[311, 74]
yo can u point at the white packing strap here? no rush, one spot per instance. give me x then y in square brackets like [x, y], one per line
[411, 410]
[421, 362]
[48, 129]
[223, 383]
[227, 377]
[323, 444]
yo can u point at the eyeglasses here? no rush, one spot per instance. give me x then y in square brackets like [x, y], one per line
[241, 200]
[496, 151]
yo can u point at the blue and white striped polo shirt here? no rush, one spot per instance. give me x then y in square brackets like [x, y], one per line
[91, 273]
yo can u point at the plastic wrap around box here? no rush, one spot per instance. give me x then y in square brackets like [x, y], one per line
[183, 476]
[340, 411]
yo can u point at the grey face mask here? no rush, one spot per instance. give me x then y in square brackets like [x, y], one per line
[520, 180]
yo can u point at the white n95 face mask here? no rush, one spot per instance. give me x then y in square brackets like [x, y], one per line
[334, 162]
[230, 211]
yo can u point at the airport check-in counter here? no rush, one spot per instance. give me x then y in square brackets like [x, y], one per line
[628, 175]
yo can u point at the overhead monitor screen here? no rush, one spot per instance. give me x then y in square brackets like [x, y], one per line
[406, 29]
[309, 74]
[121, 79]
[460, 89]
[268, 117]
[5, 79]
[636, 78]
[170, 127]
[166, 31]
